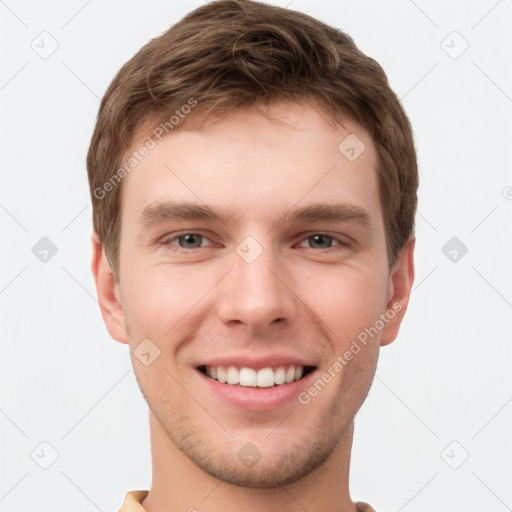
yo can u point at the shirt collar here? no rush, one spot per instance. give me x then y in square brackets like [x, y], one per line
[132, 501]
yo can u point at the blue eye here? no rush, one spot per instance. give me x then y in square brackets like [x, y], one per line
[321, 239]
[188, 240]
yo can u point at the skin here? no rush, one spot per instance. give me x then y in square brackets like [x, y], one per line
[301, 296]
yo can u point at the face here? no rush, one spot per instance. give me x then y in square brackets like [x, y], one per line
[254, 252]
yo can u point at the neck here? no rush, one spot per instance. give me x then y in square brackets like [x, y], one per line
[179, 484]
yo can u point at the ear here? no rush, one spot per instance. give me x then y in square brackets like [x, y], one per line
[399, 290]
[109, 296]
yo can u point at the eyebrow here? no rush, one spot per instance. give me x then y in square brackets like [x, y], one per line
[162, 212]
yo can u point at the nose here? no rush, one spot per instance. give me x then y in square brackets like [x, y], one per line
[256, 294]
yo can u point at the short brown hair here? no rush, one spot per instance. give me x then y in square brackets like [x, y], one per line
[231, 54]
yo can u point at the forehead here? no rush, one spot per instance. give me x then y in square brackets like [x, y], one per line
[251, 165]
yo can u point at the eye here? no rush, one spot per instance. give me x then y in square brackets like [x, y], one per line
[324, 241]
[186, 241]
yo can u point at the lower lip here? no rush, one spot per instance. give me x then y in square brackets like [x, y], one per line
[257, 399]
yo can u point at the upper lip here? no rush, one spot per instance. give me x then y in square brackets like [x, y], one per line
[251, 361]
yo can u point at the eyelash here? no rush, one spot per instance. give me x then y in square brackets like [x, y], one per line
[167, 242]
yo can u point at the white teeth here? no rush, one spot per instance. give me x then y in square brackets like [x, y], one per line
[280, 376]
[221, 374]
[232, 375]
[265, 378]
[249, 377]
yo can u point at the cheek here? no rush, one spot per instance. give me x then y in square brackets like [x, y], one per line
[159, 305]
[347, 300]
[158, 300]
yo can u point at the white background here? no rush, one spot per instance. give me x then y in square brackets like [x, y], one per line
[445, 379]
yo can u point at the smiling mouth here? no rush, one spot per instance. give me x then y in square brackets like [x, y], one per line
[271, 376]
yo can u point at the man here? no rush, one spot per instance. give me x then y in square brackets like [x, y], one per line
[253, 180]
